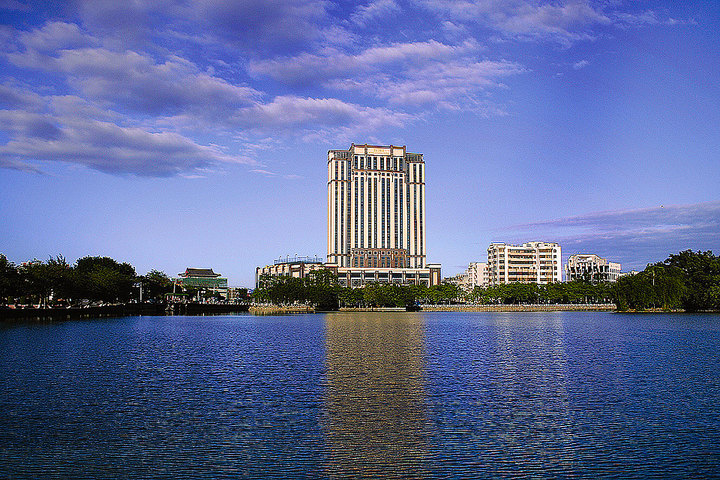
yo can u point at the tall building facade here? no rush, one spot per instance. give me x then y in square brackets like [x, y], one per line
[532, 262]
[376, 207]
[376, 215]
[591, 267]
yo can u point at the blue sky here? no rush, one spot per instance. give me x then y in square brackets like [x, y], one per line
[171, 134]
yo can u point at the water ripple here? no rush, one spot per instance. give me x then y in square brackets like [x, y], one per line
[376, 395]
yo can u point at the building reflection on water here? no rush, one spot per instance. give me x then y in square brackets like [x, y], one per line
[374, 404]
[530, 401]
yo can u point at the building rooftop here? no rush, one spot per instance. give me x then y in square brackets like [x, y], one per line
[199, 272]
[297, 259]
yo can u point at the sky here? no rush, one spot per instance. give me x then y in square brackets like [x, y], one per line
[173, 134]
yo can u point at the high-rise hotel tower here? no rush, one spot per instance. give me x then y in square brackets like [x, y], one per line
[376, 207]
[376, 211]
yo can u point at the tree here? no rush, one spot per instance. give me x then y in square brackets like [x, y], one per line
[10, 285]
[280, 290]
[701, 271]
[156, 284]
[102, 278]
[35, 281]
[350, 296]
[61, 277]
[444, 293]
[322, 289]
[658, 286]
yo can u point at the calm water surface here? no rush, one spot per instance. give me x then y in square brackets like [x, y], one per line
[393, 395]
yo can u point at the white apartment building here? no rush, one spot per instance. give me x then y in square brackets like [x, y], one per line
[532, 262]
[478, 275]
[376, 215]
[591, 267]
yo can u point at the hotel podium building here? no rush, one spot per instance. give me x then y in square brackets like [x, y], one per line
[376, 216]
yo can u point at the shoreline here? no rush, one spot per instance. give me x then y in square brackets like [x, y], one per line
[560, 307]
[286, 310]
[124, 310]
[119, 310]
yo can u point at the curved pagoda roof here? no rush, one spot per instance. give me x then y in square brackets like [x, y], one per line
[199, 272]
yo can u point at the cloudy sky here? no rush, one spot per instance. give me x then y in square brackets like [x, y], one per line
[170, 133]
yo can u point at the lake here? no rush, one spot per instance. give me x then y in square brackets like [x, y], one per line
[363, 395]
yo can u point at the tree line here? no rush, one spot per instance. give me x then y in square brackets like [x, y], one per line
[688, 280]
[90, 279]
[321, 289]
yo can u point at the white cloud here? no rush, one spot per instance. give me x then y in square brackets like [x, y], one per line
[563, 22]
[581, 64]
[72, 137]
[137, 105]
[332, 63]
[374, 10]
[12, 164]
[310, 114]
[412, 73]
[137, 82]
[444, 84]
[14, 5]
[13, 96]
[261, 25]
[54, 36]
[263, 172]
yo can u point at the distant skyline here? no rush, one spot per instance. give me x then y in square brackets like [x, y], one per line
[173, 134]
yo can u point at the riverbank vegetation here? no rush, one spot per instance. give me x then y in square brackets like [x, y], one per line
[687, 280]
[89, 280]
[321, 289]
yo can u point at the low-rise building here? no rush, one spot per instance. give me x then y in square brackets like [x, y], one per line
[301, 267]
[203, 279]
[238, 294]
[592, 268]
[297, 266]
[359, 277]
[532, 262]
[476, 275]
[374, 272]
[461, 280]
